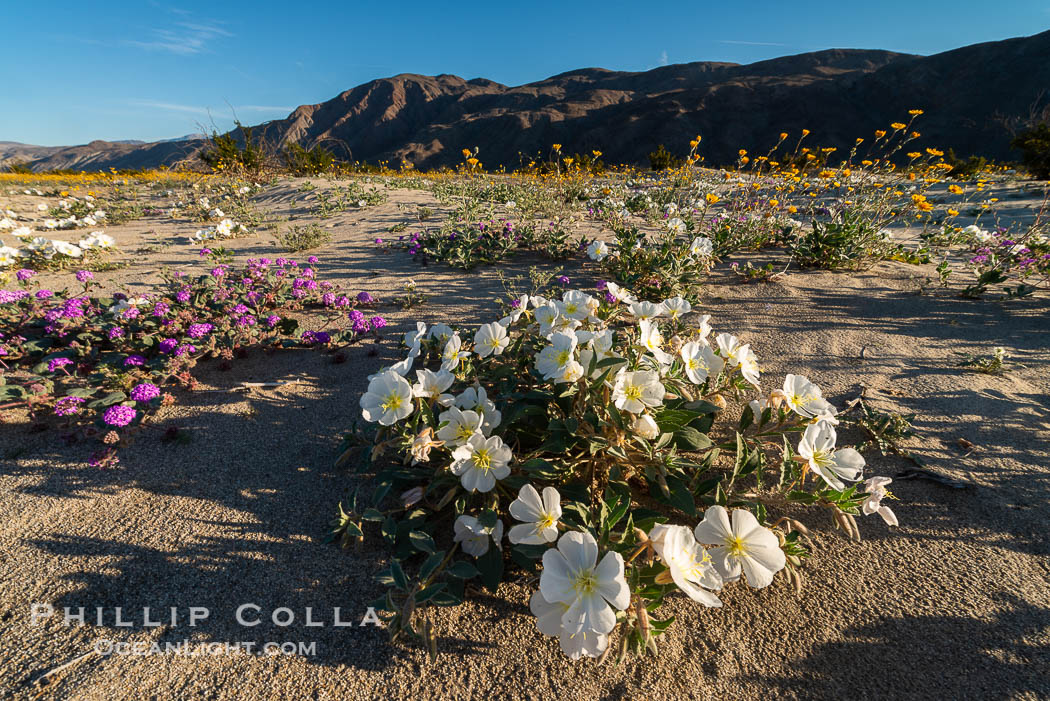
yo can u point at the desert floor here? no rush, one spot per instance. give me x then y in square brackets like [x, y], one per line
[953, 604]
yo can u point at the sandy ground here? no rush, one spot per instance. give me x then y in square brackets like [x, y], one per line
[953, 604]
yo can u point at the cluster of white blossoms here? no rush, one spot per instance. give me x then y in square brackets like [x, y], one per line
[41, 248]
[223, 230]
[572, 339]
[699, 248]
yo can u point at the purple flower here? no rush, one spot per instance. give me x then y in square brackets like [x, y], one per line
[134, 361]
[379, 242]
[115, 333]
[240, 309]
[602, 285]
[272, 320]
[183, 296]
[610, 298]
[365, 298]
[68, 406]
[378, 322]
[130, 313]
[12, 295]
[85, 275]
[56, 363]
[44, 294]
[563, 280]
[218, 272]
[246, 320]
[199, 330]
[119, 415]
[160, 309]
[328, 299]
[356, 315]
[312, 260]
[144, 392]
[205, 252]
[24, 274]
[167, 345]
[184, 349]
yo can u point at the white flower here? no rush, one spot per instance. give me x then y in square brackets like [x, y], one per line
[553, 361]
[677, 307]
[476, 399]
[458, 426]
[422, 444]
[431, 384]
[453, 354]
[68, 249]
[817, 446]
[388, 399]
[738, 355]
[701, 247]
[619, 293]
[643, 311]
[8, 256]
[574, 645]
[700, 362]
[645, 426]
[490, 339]
[413, 339]
[442, 332]
[480, 462]
[547, 316]
[676, 225]
[22, 232]
[475, 538]
[804, 397]
[691, 568]
[649, 337]
[598, 250]
[745, 547]
[876, 489]
[577, 305]
[539, 515]
[572, 575]
[634, 391]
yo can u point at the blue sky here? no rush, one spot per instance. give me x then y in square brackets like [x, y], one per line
[153, 69]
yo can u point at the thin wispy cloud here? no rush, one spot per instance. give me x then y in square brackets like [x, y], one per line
[183, 38]
[206, 111]
[663, 58]
[752, 43]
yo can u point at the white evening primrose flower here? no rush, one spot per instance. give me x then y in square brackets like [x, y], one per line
[480, 462]
[490, 339]
[598, 250]
[645, 427]
[577, 305]
[387, 400]
[22, 232]
[422, 445]
[701, 247]
[414, 339]
[804, 397]
[539, 516]
[817, 446]
[677, 307]
[650, 338]
[572, 575]
[634, 391]
[453, 354]
[547, 317]
[456, 426]
[8, 256]
[553, 360]
[676, 225]
[619, 293]
[744, 547]
[700, 362]
[516, 311]
[432, 384]
[644, 311]
[401, 367]
[474, 538]
[441, 332]
[68, 249]
[876, 489]
[738, 355]
[688, 563]
[549, 622]
[477, 399]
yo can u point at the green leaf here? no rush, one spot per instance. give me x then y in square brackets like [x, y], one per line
[462, 570]
[429, 592]
[399, 576]
[422, 541]
[688, 438]
[491, 567]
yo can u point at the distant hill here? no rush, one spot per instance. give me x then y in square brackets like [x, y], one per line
[838, 94]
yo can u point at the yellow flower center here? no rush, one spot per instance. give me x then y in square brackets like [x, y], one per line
[392, 402]
[482, 460]
[463, 432]
[563, 357]
[584, 582]
[632, 392]
[736, 546]
[545, 522]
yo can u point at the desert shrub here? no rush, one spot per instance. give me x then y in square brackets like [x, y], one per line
[227, 152]
[302, 237]
[576, 430]
[19, 168]
[1034, 145]
[302, 161]
[662, 159]
[847, 240]
[964, 169]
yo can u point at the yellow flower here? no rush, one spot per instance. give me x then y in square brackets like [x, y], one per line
[557, 147]
[953, 212]
[774, 203]
[711, 198]
[915, 113]
[805, 132]
[792, 209]
[860, 141]
[879, 133]
[466, 153]
[934, 152]
[914, 154]
[783, 135]
[596, 154]
[955, 189]
[898, 126]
